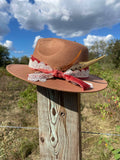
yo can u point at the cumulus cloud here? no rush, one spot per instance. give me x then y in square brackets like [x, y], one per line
[4, 18]
[91, 39]
[9, 45]
[109, 2]
[66, 18]
[35, 40]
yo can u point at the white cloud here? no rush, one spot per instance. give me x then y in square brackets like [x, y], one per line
[9, 45]
[108, 38]
[109, 2]
[19, 52]
[91, 39]
[35, 41]
[4, 18]
[66, 18]
[4, 6]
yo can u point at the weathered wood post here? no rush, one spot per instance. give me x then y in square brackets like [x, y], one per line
[59, 124]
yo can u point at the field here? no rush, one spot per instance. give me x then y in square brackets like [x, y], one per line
[100, 114]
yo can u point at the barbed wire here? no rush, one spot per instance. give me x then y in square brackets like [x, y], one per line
[107, 134]
[17, 127]
[35, 128]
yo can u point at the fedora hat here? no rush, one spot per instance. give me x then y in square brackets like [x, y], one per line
[61, 65]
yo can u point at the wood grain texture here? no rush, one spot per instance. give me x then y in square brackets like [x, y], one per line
[59, 125]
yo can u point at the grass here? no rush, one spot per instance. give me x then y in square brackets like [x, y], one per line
[100, 113]
[16, 144]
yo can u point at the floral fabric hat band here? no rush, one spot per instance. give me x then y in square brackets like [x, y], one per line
[44, 72]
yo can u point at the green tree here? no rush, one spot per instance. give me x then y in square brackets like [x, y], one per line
[24, 60]
[98, 49]
[4, 56]
[114, 52]
[15, 60]
[103, 47]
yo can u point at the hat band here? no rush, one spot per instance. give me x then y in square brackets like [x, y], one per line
[46, 72]
[34, 63]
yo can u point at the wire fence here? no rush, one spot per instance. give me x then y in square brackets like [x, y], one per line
[34, 128]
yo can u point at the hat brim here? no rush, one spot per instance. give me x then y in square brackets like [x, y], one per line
[22, 71]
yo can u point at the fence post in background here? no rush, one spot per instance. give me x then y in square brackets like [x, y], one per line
[59, 124]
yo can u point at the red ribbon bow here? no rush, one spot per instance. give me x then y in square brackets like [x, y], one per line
[60, 74]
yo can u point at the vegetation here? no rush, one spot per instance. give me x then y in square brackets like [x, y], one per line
[114, 52]
[5, 59]
[105, 110]
[100, 112]
[110, 49]
[4, 56]
[22, 60]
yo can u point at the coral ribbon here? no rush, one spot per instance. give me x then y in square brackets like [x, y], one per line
[72, 79]
[60, 74]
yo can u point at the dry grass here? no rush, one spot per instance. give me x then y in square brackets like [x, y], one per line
[21, 144]
[16, 144]
[93, 121]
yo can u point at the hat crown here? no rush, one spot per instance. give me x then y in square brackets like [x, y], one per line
[59, 52]
[49, 46]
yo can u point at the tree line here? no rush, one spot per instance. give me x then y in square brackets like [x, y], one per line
[5, 58]
[110, 49]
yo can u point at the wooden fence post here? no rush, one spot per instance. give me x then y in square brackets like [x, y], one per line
[59, 124]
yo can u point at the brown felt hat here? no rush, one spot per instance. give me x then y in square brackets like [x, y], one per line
[58, 53]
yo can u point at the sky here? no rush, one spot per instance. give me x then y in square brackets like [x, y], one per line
[23, 22]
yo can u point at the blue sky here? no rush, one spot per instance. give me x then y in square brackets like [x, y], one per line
[22, 22]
